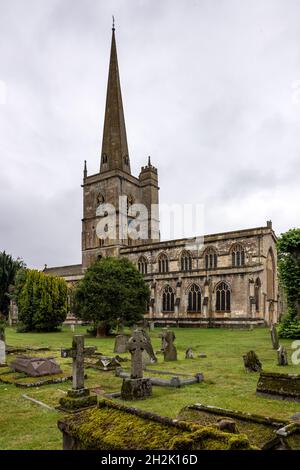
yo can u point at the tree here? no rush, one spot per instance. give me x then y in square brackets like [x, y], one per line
[288, 246]
[112, 292]
[41, 300]
[8, 270]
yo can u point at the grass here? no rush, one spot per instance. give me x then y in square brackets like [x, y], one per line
[25, 425]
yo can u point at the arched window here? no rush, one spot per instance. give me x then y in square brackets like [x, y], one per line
[104, 158]
[186, 261]
[126, 160]
[194, 299]
[223, 297]
[257, 287]
[168, 298]
[270, 275]
[238, 255]
[211, 259]
[163, 263]
[143, 265]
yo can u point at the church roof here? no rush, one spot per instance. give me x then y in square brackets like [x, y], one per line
[64, 271]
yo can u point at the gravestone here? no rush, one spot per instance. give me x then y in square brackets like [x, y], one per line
[79, 397]
[2, 346]
[136, 387]
[167, 345]
[251, 362]
[146, 357]
[189, 353]
[283, 386]
[36, 366]
[72, 327]
[151, 325]
[274, 336]
[121, 344]
[282, 356]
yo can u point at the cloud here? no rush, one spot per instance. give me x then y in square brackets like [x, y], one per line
[207, 90]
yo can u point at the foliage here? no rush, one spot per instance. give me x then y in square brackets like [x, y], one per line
[289, 274]
[42, 301]
[8, 270]
[111, 292]
[289, 327]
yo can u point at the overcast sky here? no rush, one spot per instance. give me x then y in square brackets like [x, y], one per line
[211, 90]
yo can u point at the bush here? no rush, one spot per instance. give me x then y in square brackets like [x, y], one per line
[42, 301]
[289, 328]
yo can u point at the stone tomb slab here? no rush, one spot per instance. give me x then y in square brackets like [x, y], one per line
[280, 386]
[174, 380]
[260, 430]
[112, 426]
[36, 366]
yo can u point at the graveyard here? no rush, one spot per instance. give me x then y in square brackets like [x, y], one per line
[29, 414]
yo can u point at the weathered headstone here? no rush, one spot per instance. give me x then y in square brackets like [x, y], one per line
[282, 356]
[274, 336]
[148, 358]
[136, 387]
[121, 344]
[251, 362]
[167, 345]
[79, 396]
[284, 386]
[72, 327]
[36, 366]
[189, 353]
[2, 346]
[151, 325]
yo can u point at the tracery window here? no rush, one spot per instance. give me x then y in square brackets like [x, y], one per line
[163, 263]
[194, 299]
[143, 265]
[238, 255]
[211, 259]
[168, 299]
[223, 297]
[186, 261]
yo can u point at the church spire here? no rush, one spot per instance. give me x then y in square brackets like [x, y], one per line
[114, 155]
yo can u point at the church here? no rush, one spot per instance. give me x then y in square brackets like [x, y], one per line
[230, 280]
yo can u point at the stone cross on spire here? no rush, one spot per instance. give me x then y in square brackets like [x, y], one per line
[114, 155]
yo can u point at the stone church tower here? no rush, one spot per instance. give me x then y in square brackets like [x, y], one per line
[114, 180]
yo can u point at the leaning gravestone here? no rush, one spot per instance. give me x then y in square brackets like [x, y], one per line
[167, 346]
[251, 362]
[148, 358]
[136, 386]
[79, 396]
[36, 366]
[2, 347]
[121, 344]
[189, 354]
[274, 336]
[282, 356]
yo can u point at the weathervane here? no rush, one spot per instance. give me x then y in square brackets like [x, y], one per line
[113, 22]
